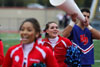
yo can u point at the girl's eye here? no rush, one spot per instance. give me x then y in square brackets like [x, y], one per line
[29, 30]
[56, 27]
[52, 27]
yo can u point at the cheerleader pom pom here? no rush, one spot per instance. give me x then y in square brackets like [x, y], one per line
[38, 65]
[73, 56]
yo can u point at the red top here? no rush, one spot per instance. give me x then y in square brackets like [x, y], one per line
[1, 53]
[59, 50]
[15, 56]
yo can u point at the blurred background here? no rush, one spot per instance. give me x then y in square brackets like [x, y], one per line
[13, 12]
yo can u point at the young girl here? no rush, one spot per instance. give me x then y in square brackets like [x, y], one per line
[29, 53]
[56, 43]
[1, 53]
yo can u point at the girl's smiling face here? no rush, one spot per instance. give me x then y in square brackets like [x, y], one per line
[52, 30]
[27, 33]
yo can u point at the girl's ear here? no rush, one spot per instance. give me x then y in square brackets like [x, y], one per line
[46, 31]
[37, 35]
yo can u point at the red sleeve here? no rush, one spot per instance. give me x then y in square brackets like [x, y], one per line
[7, 60]
[1, 53]
[68, 42]
[50, 59]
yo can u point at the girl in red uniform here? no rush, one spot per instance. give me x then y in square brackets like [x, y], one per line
[29, 53]
[1, 53]
[56, 43]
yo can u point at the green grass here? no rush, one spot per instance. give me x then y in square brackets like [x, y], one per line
[9, 43]
[9, 40]
[13, 39]
[97, 52]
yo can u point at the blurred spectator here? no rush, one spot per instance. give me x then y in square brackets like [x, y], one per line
[60, 19]
[66, 19]
[35, 5]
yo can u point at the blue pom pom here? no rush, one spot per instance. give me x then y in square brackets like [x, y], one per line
[73, 56]
[38, 65]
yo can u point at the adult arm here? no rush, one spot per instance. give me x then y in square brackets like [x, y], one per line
[66, 32]
[95, 33]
